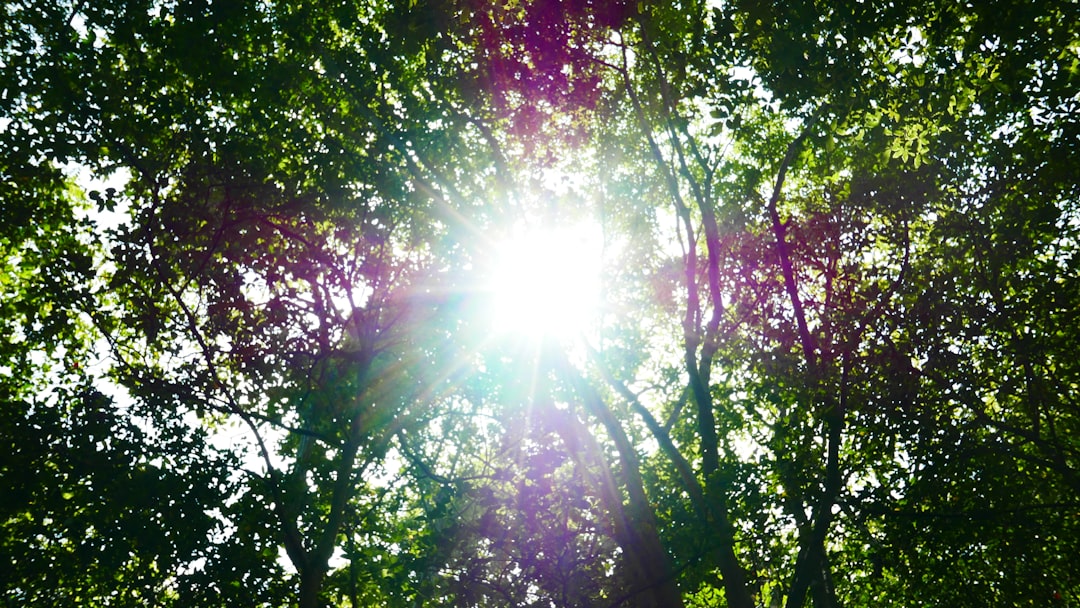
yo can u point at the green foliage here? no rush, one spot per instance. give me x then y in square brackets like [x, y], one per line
[836, 362]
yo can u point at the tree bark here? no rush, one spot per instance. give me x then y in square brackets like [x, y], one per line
[311, 580]
[811, 565]
[635, 524]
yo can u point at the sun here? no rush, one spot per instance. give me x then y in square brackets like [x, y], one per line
[547, 283]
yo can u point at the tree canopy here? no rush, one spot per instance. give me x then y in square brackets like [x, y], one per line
[540, 303]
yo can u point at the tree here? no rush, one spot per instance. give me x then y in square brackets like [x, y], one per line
[252, 287]
[835, 364]
[809, 274]
[799, 289]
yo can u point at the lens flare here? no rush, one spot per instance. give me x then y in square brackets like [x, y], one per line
[547, 283]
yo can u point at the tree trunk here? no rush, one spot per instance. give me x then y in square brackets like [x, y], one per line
[311, 580]
[635, 530]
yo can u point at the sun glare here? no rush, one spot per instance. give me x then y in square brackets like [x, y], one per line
[547, 283]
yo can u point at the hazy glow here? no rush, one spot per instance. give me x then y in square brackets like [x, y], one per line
[547, 282]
